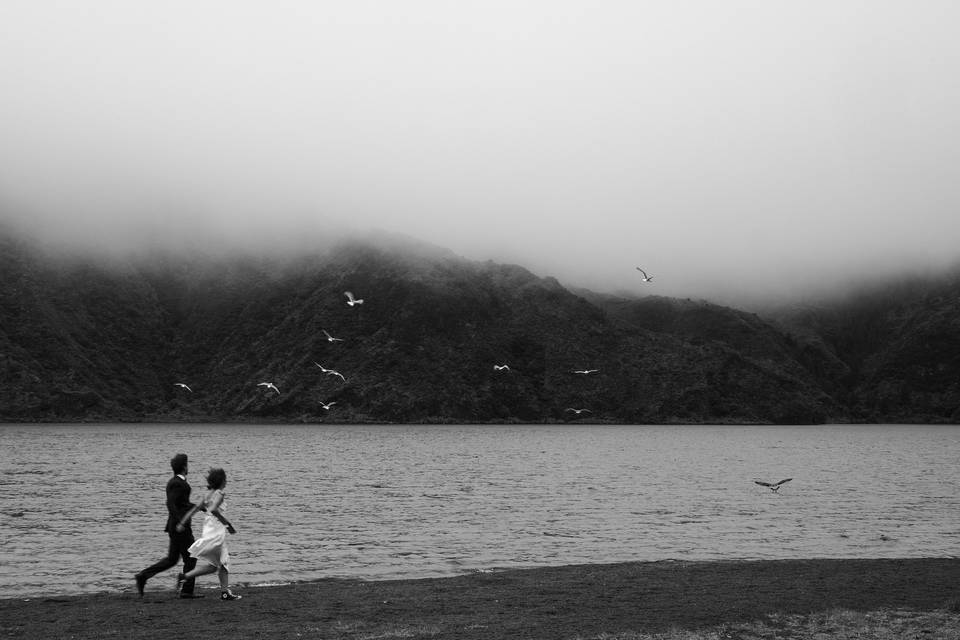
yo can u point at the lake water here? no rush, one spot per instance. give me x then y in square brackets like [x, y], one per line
[82, 506]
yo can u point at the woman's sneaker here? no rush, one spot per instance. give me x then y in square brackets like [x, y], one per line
[229, 595]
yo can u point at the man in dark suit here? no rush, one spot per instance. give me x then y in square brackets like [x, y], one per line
[178, 504]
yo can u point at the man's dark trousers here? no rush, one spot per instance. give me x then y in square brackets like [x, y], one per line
[179, 543]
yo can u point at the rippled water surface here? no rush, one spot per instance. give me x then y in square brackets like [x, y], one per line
[82, 506]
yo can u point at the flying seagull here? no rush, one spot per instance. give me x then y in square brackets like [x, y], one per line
[645, 278]
[268, 385]
[351, 300]
[774, 486]
[180, 384]
[578, 411]
[501, 367]
[585, 371]
[327, 405]
[330, 372]
[330, 338]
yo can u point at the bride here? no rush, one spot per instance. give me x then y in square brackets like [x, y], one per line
[210, 549]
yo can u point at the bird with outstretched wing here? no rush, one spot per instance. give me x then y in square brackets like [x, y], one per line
[773, 486]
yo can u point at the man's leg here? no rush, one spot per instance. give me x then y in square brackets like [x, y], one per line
[184, 540]
[173, 554]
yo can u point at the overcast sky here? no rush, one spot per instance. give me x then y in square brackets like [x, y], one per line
[729, 148]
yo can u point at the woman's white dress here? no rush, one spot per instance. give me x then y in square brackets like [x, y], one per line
[211, 546]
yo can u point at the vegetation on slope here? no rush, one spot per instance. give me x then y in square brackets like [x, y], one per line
[89, 339]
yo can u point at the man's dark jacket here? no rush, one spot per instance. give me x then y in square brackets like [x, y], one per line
[178, 502]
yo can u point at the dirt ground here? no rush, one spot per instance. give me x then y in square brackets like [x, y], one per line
[756, 599]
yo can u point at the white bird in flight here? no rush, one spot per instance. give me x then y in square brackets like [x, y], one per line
[351, 300]
[585, 371]
[501, 367]
[330, 372]
[180, 384]
[327, 405]
[578, 411]
[268, 385]
[773, 486]
[645, 278]
[330, 338]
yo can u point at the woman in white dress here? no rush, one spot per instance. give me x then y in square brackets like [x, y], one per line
[210, 549]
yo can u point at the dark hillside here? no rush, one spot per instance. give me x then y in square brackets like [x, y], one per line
[76, 338]
[85, 339]
[901, 344]
[746, 333]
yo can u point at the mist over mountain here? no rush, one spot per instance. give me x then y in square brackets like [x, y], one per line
[87, 338]
[740, 154]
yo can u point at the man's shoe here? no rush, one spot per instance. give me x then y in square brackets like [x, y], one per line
[191, 596]
[141, 583]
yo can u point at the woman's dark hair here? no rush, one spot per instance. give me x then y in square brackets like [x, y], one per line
[216, 478]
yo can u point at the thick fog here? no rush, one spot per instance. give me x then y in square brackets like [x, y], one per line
[732, 149]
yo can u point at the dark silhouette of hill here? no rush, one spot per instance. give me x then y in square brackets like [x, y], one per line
[900, 343]
[89, 339]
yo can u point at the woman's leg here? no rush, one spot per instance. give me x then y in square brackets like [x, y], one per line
[202, 569]
[225, 593]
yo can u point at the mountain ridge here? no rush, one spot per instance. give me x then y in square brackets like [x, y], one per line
[86, 339]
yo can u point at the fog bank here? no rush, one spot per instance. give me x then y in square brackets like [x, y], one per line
[736, 151]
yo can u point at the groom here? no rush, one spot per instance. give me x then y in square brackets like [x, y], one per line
[178, 504]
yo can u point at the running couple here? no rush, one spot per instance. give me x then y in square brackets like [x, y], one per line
[207, 554]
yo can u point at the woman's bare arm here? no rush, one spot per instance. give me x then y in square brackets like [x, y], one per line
[214, 508]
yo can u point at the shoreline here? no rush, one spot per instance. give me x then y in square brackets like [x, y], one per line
[457, 423]
[574, 601]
